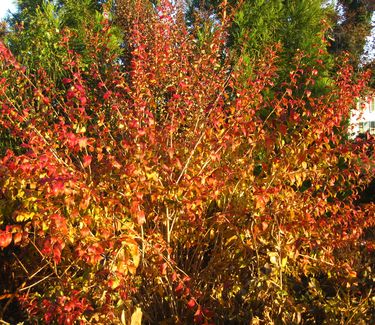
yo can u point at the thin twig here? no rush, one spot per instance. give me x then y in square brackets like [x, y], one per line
[191, 156]
[37, 282]
[49, 263]
[317, 260]
[18, 260]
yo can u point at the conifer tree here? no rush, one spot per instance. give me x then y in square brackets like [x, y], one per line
[35, 35]
[298, 26]
[352, 27]
[36, 30]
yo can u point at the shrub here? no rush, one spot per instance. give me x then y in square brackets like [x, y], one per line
[172, 187]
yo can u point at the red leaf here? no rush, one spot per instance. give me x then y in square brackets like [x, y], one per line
[186, 279]
[17, 237]
[58, 187]
[70, 94]
[130, 169]
[107, 94]
[264, 225]
[82, 142]
[85, 231]
[163, 268]
[179, 288]
[191, 303]
[87, 160]
[83, 100]
[198, 316]
[56, 253]
[66, 80]
[46, 100]
[116, 164]
[5, 238]
[141, 219]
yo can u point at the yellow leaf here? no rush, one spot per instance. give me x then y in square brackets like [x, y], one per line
[284, 261]
[33, 185]
[136, 257]
[24, 216]
[298, 180]
[231, 239]
[123, 317]
[136, 318]
[273, 257]
[353, 274]
[152, 176]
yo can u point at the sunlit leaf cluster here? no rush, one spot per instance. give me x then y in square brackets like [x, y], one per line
[163, 184]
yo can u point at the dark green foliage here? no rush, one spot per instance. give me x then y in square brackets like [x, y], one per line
[298, 26]
[351, 28]
[40, 46]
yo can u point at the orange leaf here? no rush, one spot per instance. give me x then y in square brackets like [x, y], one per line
[5, 238]
[191, 303]
[87, 160]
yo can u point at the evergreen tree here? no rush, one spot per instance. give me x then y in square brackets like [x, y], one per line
[37, 29]
[257, 24]
[37, 32]
[297, 25]
[353, 25]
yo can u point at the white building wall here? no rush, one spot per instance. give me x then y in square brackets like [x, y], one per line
[362, 119]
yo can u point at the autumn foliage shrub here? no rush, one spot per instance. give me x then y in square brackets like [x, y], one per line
[175, 186]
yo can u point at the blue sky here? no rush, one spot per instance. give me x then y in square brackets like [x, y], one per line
[6, 5]
[371, 40]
